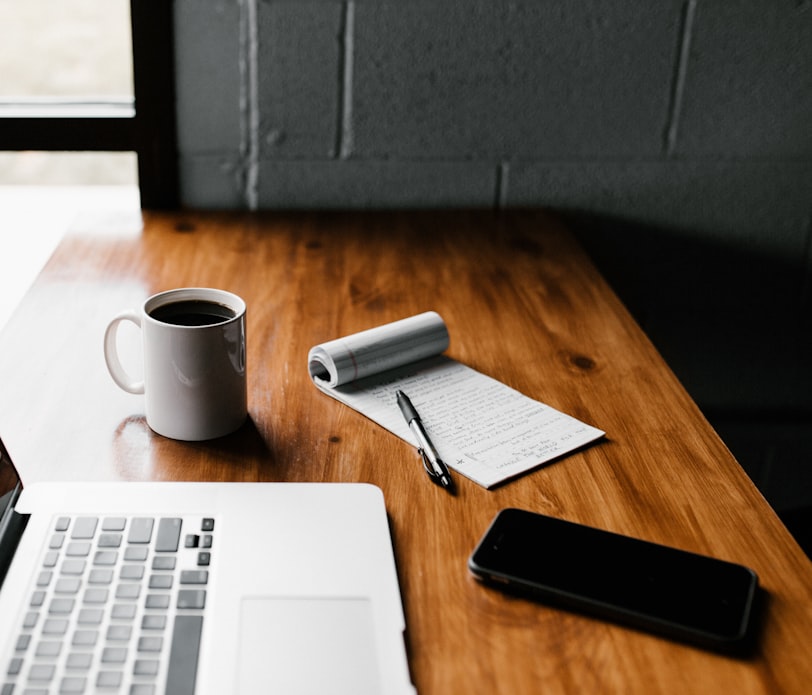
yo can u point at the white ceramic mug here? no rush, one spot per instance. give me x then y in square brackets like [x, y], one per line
[194, 362]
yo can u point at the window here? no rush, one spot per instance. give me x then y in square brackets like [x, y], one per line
[84, 76]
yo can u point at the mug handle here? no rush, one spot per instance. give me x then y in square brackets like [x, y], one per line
[120, 376]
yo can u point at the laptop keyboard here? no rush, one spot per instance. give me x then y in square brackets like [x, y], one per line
[117, 607]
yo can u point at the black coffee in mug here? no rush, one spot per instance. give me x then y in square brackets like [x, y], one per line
[192, 312]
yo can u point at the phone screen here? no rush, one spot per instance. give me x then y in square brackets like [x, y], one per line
[671, 591]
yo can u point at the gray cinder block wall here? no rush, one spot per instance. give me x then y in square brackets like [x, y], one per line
[676, 135]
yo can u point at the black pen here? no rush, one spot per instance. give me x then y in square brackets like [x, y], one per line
[437, 470]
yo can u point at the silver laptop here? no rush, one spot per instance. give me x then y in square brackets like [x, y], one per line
[197, 588]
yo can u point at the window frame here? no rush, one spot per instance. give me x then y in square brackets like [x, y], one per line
[144, 125]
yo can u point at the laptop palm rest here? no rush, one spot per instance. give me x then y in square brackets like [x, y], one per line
[307, 645]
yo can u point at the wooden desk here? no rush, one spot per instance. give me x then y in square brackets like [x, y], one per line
[524, 305]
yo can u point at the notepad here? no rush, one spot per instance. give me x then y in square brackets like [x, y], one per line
[482, 428]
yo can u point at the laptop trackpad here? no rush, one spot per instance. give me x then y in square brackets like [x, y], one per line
[307, 645]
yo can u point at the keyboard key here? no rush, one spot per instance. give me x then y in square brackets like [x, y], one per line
[194, 577]
[183, 655]
[131, 572]
[146, 667]
[96, 595]
[128, 591]
[145, 689]
[67, 585]
[37, 599]
[206, 541]
[119, 633]
[207, 525]
[57, 541]
[30, 620]
[191, 599]
[114, 523]
[75, 567]
[44, 578]
[123, 611]
[109, 679]
[61, 606]
[48, 648]
[140, 530]
[77, 549]
[160, 581]
[50, 559]
[105, 557]
[157, 601]
[85, 527]
[114, 655]
[150, 644]
[79, 661]
[90, 616]
[110, 540]
[71, 685]
[168, 535]
[153, 622]
[85, 638]
[55, 626]
[164, 562]
[14, 666]
[136, 553]
[203, 558]
[192, 540]
[100, 576]
[22, 642]
[62, 523]
[41, 672]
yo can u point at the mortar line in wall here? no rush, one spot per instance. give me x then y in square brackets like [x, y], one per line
[680, 75]
[344, 132]
[249, 107]
[252, 178]
[243, 97]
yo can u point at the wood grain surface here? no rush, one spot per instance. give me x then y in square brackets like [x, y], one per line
[524, 305]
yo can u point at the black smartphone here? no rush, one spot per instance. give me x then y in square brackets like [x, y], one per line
[694, 598]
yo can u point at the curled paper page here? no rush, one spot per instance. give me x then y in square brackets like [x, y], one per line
[377, 350]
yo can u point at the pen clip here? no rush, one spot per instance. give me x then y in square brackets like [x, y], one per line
[429, 468]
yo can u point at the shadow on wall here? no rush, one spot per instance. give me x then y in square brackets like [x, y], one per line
[735, 325]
